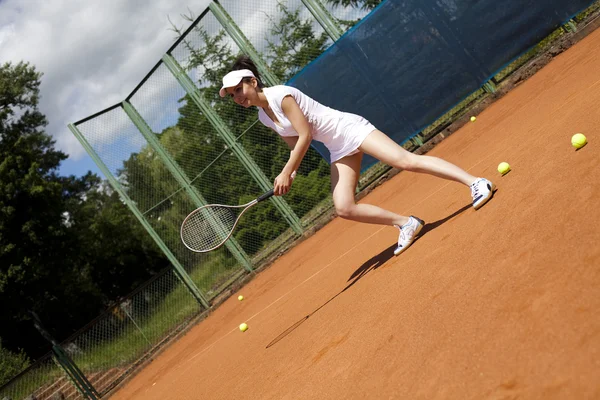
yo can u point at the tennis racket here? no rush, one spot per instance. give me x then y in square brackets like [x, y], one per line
[208, 227]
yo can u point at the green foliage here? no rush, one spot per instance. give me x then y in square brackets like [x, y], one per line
[63, 240]
[11, 363]
[365, 5]
[292, 44]
[152, 314]
[125, 256]
[35, 242]
[362, 4]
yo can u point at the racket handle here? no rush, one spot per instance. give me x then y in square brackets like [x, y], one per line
[265, 196]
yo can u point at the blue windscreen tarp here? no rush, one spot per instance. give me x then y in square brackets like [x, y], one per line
[410, 61]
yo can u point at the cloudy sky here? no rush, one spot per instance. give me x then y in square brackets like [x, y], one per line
[92, 54]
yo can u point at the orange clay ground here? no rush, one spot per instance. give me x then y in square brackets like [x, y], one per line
[500, 303]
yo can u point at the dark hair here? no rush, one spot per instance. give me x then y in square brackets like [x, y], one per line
[245, 62]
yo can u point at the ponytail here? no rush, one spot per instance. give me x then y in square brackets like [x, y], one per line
[245, 62]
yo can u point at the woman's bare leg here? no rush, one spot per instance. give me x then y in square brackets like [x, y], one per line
[344, 178]
[380, 146]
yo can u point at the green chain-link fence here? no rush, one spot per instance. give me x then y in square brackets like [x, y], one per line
[45, 379]
[109, 348]
[118, 341]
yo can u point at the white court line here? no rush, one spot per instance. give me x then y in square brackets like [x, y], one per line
[576, 95]
[594, 84]
[322, 269]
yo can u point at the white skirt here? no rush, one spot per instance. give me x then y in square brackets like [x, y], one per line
[350, 132]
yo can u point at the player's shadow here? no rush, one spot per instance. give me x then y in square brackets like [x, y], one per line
[432, 225]
[370, 265]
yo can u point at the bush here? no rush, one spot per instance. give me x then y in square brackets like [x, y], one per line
[11, 364]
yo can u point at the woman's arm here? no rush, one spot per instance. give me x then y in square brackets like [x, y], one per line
[292, 111]
[290, 140]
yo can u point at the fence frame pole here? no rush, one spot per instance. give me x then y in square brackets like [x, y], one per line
[324, 18]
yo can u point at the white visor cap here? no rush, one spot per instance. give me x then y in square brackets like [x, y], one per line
[233, 78]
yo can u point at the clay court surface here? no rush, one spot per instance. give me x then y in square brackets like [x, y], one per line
[500, 303]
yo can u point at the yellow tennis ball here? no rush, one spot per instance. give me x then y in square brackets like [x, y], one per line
[243, 327]
[240, 297]
[578, 140]
[473, 118]
[503, 168]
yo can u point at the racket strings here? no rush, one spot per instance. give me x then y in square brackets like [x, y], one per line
[209, 227]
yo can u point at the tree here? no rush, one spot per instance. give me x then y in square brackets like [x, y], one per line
[11, 363]
[117, 253]
[293, 43]
[34, 238]
[362, 4]
[68, 246]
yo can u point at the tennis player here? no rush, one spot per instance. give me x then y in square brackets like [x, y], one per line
[299, 119]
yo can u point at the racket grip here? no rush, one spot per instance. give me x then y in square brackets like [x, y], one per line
[265, 196]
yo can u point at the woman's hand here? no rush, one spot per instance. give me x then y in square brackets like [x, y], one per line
[283, 183]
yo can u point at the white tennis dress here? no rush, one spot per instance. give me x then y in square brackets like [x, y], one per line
[342, 133]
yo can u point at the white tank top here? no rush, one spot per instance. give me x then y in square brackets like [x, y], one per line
[322, 119]
[339, 131]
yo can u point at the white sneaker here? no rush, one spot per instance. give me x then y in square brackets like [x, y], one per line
[481, 190]
[408, 232]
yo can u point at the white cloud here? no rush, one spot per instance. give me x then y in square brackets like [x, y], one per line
[94, 53]
[6, 33]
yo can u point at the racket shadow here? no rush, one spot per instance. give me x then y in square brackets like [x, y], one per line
[370, 265]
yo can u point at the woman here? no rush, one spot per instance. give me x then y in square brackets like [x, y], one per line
[298, 119]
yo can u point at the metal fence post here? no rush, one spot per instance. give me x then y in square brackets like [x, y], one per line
[185, 278]
[222, 129]
[76, 376]
[490, 86]
[570, 26]
[324, 18]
